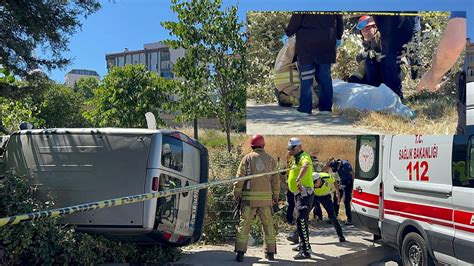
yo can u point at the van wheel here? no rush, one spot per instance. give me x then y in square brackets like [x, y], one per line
[414, 251]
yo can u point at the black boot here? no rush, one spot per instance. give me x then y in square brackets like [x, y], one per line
[240, 256]
[342, 239]
[294, 238]
[270, 256]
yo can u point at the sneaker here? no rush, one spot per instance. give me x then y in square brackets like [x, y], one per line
[298, 113]
[240, 256]
[293, 238]
[342, 239]
[302, 255]
[270, 256]
[348, 222]
[324, 112]
[298, 248]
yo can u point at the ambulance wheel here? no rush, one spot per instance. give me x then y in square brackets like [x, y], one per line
[414, 251]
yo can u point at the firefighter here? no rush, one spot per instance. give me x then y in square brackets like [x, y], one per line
[300, 182]
[369, 69]
[256, 196]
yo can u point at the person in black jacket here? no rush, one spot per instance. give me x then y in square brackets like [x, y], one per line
[316, 39]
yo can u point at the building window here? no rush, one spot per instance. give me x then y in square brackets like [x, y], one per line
[154, 62]
[165, 56]
[167, 75]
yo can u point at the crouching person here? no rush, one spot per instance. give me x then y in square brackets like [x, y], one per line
[256, 196]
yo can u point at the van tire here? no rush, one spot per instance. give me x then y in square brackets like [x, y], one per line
[414, 250]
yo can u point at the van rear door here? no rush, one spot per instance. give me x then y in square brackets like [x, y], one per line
[366, 200]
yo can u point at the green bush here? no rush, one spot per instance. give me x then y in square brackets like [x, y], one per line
[44, 242]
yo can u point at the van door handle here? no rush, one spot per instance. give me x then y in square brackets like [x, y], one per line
[359, 189]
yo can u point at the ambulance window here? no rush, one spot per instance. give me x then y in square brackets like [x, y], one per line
[167, 208]
[463, 179]
[172, 153]
[367, 158]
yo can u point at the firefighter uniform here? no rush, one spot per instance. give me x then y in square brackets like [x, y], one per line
[256, 197]
[322, 194]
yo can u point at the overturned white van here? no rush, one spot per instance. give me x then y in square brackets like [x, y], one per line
[78, 166]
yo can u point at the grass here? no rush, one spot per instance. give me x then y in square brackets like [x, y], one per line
[436, 114]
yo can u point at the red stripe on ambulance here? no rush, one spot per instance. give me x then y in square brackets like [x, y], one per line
[424, 210]
[366, 197]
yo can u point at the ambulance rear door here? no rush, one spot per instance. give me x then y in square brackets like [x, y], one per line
[366, 200]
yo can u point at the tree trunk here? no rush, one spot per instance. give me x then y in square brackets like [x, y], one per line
[195, 125]
[227, 132]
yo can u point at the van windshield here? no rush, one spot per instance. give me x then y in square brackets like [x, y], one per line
[172, 153]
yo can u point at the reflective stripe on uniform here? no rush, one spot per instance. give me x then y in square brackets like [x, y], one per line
[256, 195]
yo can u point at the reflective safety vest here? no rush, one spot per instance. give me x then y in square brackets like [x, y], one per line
[307, 179]
[325, 189]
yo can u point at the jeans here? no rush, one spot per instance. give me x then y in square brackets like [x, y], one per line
[322, 73]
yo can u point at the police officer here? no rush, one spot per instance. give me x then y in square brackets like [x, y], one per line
[316, 207]
[344, 169]
[322, 194]
[256, 197]
[300, 182]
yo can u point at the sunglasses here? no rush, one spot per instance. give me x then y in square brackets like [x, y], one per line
[290, 148]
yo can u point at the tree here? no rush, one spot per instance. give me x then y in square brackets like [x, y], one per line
[60, 106]
[31, 24]
[86, 87]
[264, 31]
[126, 94]
[214, 67]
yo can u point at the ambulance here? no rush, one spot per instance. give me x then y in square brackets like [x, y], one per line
[416, 193]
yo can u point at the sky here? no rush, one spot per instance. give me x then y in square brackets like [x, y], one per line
[121, 24]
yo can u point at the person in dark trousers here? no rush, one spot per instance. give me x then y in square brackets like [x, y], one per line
[344, 169]
[300, 182]
[323, 183]
[317, 37]
[395, 31]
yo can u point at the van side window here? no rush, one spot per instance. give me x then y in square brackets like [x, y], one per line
[367, 158]
[167, 209]
[465, 177]
[172, 153]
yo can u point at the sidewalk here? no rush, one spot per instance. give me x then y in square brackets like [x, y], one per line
[357, 250]
[271, 119]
